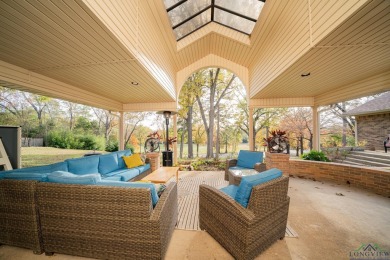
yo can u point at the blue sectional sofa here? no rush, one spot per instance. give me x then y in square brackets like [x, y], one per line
[110, 167]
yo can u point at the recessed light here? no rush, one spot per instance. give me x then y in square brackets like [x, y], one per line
[134, 83]
[307, 74]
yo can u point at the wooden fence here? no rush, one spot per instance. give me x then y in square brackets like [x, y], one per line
[28, 142]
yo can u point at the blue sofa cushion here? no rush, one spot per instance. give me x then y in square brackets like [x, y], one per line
[143, 168]
[121, 163]
[247, 182]
[117, 172]
[108, 163]
[70, 178]
[83, 165]
[61, 166]
[128, 174]
[248, 159]
[112, 178]
[230, 190]
[35, 176]
[150, 186]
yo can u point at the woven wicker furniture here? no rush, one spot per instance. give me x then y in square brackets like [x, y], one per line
[235, 176]
[19, 218]
[246, 232]
[106, 222]
[236, 179]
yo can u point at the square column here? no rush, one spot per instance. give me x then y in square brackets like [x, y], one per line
[316, 128]
[121, 132]
[251, 133]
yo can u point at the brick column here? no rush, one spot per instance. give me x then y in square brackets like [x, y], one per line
[154, 160]
[278, 160]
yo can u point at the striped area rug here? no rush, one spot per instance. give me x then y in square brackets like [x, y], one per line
[188, 197]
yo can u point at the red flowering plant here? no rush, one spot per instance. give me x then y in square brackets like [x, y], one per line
[277, 142]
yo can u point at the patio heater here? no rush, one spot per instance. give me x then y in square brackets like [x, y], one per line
[167, 154]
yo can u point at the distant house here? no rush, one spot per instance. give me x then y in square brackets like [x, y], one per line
[373, 121]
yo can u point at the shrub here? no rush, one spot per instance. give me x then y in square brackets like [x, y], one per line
[208, 165]
[315, 156]
[68, 140]
[113, 146]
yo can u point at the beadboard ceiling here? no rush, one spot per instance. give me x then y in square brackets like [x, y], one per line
[99, 48]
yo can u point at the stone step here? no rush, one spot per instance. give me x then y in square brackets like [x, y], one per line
[346, 161]
[366, 162]
[368, 157]
[380, 155]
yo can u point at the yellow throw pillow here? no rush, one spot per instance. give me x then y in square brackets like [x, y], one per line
[133, 160]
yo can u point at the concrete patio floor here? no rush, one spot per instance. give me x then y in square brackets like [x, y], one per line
[329, 226]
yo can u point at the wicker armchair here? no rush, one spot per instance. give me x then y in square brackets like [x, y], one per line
[19, 218]
[246, 232]
[106, 222]
[260, 167]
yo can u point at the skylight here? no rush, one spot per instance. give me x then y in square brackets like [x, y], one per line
[187, 16]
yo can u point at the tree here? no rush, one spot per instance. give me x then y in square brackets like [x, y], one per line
[200, 138]
[263, 118]
[72, 110]
[299, 123]
[38, 103]
[132, 121]
[187, 98]
[107, 119]
[215, 81]
[141, 133]
[13, 102]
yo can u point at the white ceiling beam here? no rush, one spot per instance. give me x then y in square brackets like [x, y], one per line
[139, 107]
[281, 102]
[19, 78]
[369, 86]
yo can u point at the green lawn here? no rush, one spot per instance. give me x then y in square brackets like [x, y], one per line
[36, 156]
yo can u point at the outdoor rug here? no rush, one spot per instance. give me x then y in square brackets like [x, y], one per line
[188, 197]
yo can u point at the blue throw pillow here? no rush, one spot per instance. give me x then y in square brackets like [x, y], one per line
[150, 186]
[248, 159]
[120, 154]
[61, 166]
[108, 163]
[83, 165]
[70, 178]
[32, 176]
[247, 182]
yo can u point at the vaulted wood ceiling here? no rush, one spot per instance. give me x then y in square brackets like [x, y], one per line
[123, 55]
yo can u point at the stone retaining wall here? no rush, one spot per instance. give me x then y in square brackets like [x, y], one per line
[373, 179]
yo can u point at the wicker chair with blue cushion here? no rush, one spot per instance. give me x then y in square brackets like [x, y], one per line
[247, 163]
[248, 218]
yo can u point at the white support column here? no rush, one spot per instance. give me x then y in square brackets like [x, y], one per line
[356, 132]
[175, 144]
[121, 132]
[316, 128]
[250, 125]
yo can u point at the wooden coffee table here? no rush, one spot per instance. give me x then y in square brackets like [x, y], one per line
[162, 175]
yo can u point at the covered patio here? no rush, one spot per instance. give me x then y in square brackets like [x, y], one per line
[125, 56]
[128, 56]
